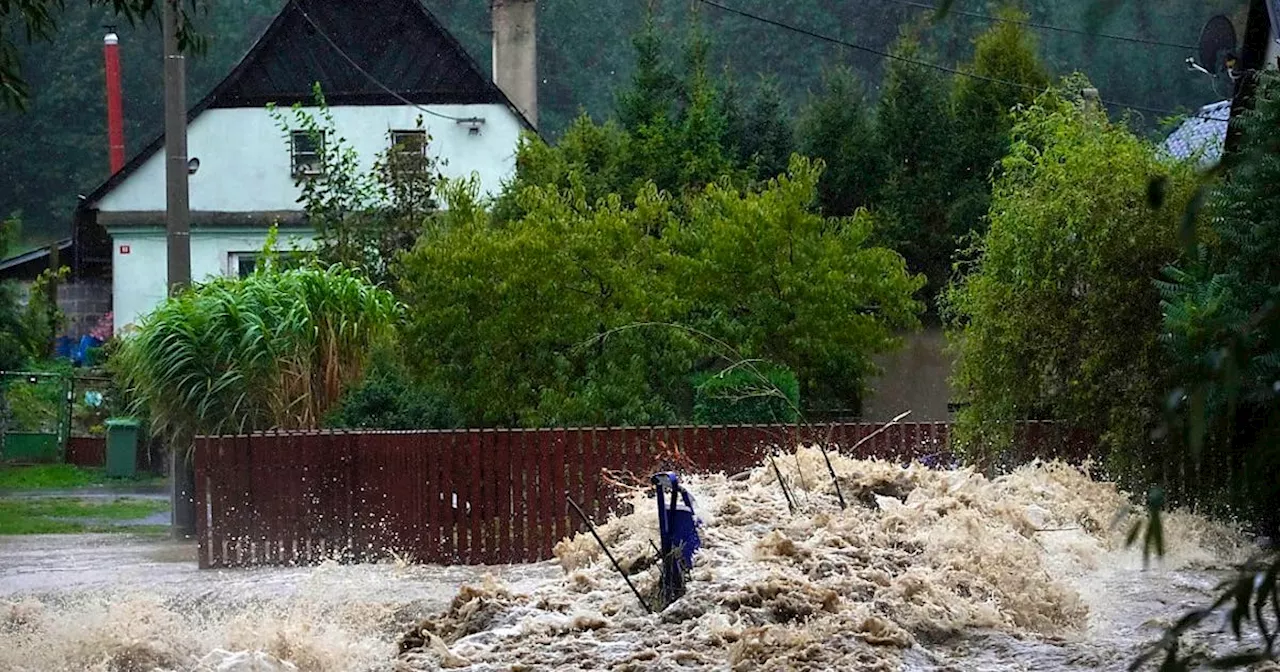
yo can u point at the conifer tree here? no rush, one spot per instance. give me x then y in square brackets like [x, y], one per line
[836, 127]
[697, 142]
[1008, 73]
[916, 132]
[733, 138]
[770, 141]
[651, 98]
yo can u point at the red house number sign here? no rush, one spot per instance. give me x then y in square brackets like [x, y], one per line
[124, 249]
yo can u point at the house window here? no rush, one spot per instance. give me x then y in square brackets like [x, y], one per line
[243, 264]
[306, 152]
[408, 150]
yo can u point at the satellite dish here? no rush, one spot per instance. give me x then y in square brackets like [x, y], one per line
[1218, 46]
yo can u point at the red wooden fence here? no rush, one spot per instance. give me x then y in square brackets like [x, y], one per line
[473, 496]
[86, 451]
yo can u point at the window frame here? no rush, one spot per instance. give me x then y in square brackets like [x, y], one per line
[306, 162]
[236, 264]
[416, 160]
[236, 261]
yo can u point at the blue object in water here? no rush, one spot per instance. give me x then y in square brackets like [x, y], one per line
[678, 529]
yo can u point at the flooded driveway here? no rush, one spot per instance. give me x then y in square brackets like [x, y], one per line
[121, 602]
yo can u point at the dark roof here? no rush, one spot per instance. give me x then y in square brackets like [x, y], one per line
[398, 44]
[34, 255]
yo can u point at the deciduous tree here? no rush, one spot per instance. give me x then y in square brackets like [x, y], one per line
[1058, 317]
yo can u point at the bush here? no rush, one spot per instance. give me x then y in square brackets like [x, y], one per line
[1059, 316]
[738, 396]
[276, 350]
[596, 312]
[389, 399]
[1221, 329]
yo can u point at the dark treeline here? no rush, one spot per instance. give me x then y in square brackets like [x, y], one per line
[58, 147]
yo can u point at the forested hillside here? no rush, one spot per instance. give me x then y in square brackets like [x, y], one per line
[57, 148]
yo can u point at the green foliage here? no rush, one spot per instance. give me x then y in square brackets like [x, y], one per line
[983, 108]
[836, 128]
[12, 337]
[781, 282]
[389, 399]
[275, 350]
[768, 141]
[1222, 333]
[364, 219]
[501, 315]
[651, 99]
[42, 319]
[746, 395]
[33, 405]
[535, 322]
[679, 133]
[916, 132]
[1058, 317]
[984, 104]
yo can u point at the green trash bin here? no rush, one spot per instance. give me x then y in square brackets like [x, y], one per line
[122, 447]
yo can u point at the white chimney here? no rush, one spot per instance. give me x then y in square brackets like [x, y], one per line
[515, 53]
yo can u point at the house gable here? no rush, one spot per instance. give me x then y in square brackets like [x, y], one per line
[368, 52]
[371, 53]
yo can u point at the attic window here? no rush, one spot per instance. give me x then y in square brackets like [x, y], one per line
[306, 152]
[408, 151]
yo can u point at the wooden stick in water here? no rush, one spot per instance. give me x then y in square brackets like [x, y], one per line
[616, 566]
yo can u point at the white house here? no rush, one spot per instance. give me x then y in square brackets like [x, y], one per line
[382, 65]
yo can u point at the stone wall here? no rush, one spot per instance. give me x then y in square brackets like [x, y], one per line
[84, 302]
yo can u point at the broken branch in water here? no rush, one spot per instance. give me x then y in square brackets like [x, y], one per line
[616, 566]
[832, 470]
[791, 505]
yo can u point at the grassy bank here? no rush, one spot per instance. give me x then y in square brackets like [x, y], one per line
[62, 476]
[69, 516]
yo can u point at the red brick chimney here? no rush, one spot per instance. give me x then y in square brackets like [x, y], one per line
[115, 102]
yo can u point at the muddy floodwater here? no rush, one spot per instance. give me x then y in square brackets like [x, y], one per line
[925, 570]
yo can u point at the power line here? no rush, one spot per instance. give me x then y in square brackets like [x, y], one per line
[367, 74]
[926, 64]
[1045, 26]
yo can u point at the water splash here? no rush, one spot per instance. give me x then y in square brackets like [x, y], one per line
[927, 560]
[928, 569]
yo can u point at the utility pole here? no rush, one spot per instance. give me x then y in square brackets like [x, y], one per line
[178, 224]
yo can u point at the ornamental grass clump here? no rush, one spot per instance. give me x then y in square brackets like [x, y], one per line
[275, 350]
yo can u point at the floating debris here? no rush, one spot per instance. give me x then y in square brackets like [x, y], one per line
[925, 558]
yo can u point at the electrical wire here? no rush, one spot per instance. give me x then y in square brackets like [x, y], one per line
[927, 64]
[1044, 26]
[369, 76]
